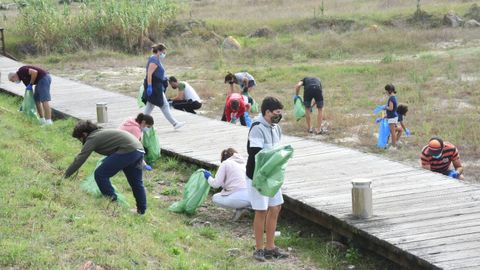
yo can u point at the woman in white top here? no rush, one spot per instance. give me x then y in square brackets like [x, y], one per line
[231, 177]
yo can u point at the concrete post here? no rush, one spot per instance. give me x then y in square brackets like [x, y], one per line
[102, 114]
[362, 198]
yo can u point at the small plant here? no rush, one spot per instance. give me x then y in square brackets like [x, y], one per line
[170, 191]
[208, 233]
[352, 255]
[389, 58]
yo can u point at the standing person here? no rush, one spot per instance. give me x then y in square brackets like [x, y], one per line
[235, 108]
[265, 133]
[136, 126]
[245, 81]
[312, 90]
[437, 156]
[123, 151]
[187, 98]
[30, 76]
[231, 178]
[154, 93]
[392, 116]
[402, 112]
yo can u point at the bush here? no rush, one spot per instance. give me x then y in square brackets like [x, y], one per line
[118, 24]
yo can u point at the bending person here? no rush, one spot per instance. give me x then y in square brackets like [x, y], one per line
[437, 156]
[186, 99]
[235, 108]
[123, 151]
[154, 93]
[312, 90]
[231, 178]
[35, 76]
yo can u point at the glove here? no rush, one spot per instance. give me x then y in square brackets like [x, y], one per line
[207, 174]
[378, 120]
[149, 90]
[407, 132]
[453, 174]
[29, 87]
[147, 167]
[379, 108]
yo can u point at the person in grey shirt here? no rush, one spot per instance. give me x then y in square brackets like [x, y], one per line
[123, 151]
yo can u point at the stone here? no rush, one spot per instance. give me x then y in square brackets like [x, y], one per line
[452, 20]
[262, 32]
[231, 43]
[471, 24]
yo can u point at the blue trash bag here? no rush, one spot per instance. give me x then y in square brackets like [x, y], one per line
[383, 133]
[248, 120]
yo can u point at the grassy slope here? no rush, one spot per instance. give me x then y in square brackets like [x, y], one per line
[49, 223]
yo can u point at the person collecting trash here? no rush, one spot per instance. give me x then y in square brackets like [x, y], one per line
[235, 109]
[231, 178]
[136, 127]
[437, 156]
[187, 98]
[124, 152]
[392, 115]
[402, 112]
[312, 92]
[265, 133]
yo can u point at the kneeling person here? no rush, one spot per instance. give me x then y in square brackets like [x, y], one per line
[187, 99]
[123, 151]
[231, 178]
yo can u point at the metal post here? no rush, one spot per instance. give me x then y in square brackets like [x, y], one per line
[102, 114]
[362, 198]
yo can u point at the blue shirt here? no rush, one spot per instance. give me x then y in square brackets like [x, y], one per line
[392, 113]
[160, 71]
[400, 118]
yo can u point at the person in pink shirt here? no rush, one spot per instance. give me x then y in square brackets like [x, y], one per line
[137, 126]
[231, 178]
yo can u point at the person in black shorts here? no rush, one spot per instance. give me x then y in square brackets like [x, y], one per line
[312, 91]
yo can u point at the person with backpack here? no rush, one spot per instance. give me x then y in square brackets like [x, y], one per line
[265, 133]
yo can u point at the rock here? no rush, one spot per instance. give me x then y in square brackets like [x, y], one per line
[233, 252]
[452, 20]
[262, 32]
[471, 24]
[337, 246]
[230, 43]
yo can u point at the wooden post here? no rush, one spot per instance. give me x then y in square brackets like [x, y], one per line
[362, 198]
[102, 114]
[3, 42]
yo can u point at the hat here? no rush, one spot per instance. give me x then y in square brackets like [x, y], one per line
[435, 146]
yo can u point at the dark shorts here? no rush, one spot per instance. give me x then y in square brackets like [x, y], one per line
[250, 84]
[313, 93]
[42, 89]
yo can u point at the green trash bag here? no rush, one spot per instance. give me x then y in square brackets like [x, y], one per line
[139, 97]
[269, 170]
[298, 108]
[151, 145]
[28, 106]
[89, 185]
[194, 194]
[254, 108]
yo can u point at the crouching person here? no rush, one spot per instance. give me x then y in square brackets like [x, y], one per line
[231, 178]
[123, 151]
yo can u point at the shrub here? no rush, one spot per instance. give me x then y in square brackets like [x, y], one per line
[118, 24]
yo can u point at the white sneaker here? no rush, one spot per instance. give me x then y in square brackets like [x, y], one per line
[179, 125]
[239, 213]
[49, 122]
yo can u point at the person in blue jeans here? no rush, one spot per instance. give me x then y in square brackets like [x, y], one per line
[124, 153]
[40, 78]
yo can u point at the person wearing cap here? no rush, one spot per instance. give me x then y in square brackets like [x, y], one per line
[437, 156]
[35, 76]
[235, 108]
[187, 98]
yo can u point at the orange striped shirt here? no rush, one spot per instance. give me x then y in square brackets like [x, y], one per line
[441, 165]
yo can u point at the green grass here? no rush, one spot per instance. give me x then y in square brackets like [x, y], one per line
[47, 222]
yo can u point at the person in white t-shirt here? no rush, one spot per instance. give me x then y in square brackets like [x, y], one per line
[186, 99]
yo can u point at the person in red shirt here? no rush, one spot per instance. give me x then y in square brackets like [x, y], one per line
[437, 157]
[235, 108]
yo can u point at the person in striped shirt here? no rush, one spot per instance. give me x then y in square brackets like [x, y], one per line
[437, 156]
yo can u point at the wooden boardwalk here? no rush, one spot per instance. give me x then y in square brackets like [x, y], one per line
[421, 219]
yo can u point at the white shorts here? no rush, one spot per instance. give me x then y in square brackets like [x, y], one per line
[261, 202]
[392, 120]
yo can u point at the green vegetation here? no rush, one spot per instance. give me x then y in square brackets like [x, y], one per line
[124, 24]
[46, 222]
